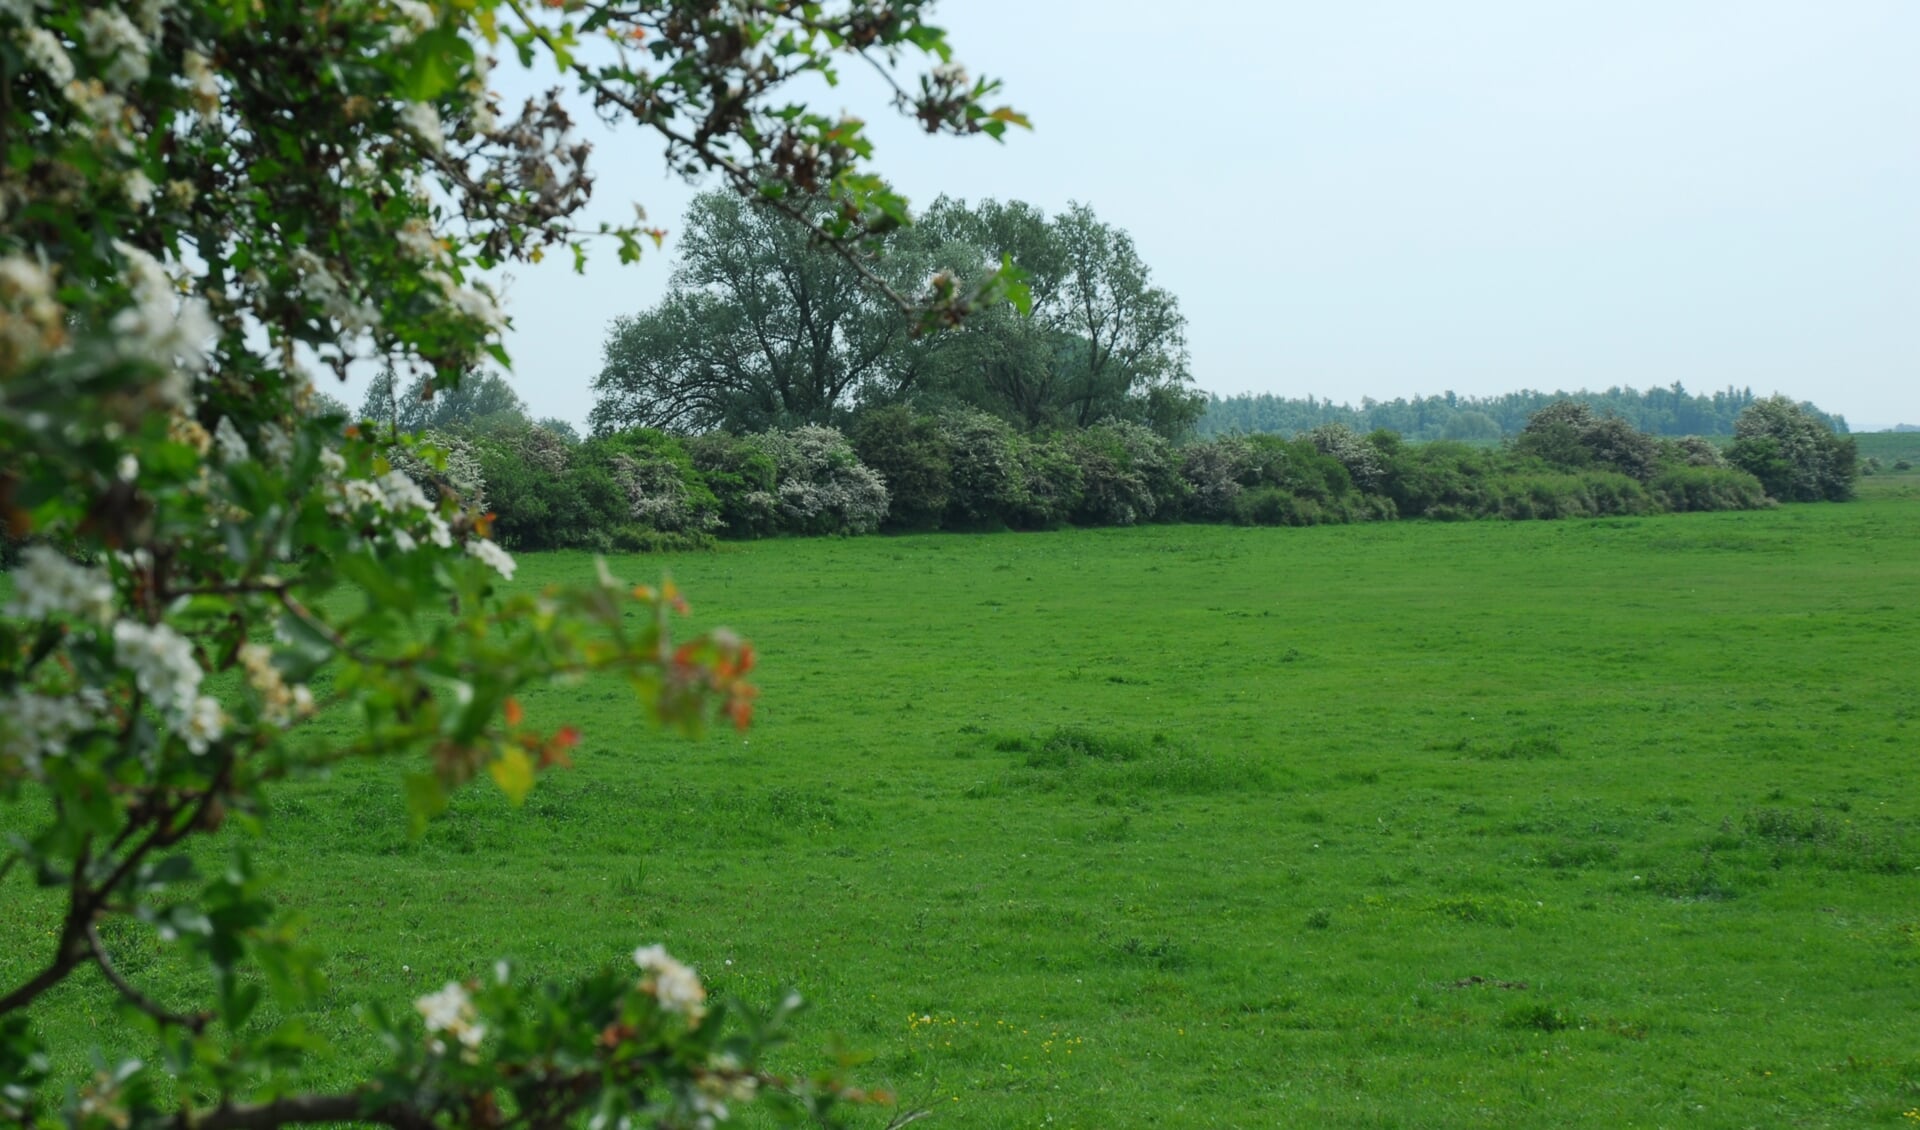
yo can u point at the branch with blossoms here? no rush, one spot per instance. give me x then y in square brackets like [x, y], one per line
[201, 201]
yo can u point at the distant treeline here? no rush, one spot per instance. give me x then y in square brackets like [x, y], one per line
[900, 468]
[1658, 411]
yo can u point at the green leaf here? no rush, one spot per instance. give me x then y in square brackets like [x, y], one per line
[513, 772]
[438, 59]
[426, 799]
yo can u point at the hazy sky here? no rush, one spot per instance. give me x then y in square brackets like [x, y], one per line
[1392, 198]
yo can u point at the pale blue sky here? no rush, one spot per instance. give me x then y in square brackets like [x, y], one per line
[1391, 198]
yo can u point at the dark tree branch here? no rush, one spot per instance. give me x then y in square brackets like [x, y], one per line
[300, 1110]
[194, 1022]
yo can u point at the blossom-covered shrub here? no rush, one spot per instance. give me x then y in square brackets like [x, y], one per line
[989, 484]
[1214, 470]
[822, 486]
[663, 489]
[1363, 461]
[442, 461]
[742, 477]
[1793, 452]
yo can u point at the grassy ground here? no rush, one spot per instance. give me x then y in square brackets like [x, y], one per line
[1577, 824]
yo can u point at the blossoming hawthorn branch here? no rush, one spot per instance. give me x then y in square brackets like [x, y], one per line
[202, 198]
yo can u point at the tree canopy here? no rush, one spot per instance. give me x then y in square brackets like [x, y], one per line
[761, 328]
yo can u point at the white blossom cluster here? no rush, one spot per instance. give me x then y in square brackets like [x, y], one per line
[415, 18]
[657, 495]
[423, 122]
[474, 302]
[450, 1012]
[725, 1082]
[159, 327]
[123, 50]
[164, 669]
[408, 515]
[674, 984]
[32, 321]
[317, 282]
[229, 442]
[33, 726]
[821, 483]
[280, 703]
[47, 584]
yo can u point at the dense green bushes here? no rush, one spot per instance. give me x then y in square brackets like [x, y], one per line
[963, 469]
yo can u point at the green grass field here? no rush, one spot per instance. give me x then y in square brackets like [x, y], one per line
[1492, 824]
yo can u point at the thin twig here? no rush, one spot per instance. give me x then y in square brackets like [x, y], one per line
[193, 1023]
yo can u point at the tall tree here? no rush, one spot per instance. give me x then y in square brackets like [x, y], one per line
[1101, 339]
[760, 328]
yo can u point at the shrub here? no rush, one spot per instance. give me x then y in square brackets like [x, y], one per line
[1364, 463]
[1569, 436]
[910, 453]
[987, 480]
[1127, 474]
[741, 477]
[1213, 471]
[664, 491]
[1707, 488]
[443, 462]
[1796, 456]
[821, 485]
[1692, 451]
[1444, 476]
[1051, 483]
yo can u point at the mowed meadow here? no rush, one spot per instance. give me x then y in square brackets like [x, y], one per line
[1607, 823]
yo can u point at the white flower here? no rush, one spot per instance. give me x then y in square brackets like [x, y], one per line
[205, 90]
[36, 725]
[451, 1011]
[417, 240]
[444, 1009]
[25, 281]
[501, 561]
[43, 50]
[162, 663]
[157, 326]
[415, 19]
[110, 35]
[279, 703]
[332, 462]
[438, 533]
[138, 189]
[423, 122]
[403, 541]
[204, 723]
[360, 492]
[402, 493]
[674, 984]
[318, 283]
[148, 14]
[226, 437]
[476, 302]
[47, 584]
[275, 444]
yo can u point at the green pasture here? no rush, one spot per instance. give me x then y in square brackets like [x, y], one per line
[1605, 824]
